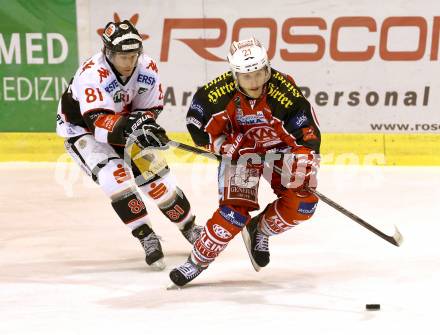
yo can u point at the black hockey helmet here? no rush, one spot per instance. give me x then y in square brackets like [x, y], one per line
[121, 37]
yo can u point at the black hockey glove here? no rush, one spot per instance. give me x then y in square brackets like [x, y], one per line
[143, 130]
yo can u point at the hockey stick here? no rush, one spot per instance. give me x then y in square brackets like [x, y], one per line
[198, 151]
[395, 239]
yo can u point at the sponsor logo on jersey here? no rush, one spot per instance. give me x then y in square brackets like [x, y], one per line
[152, 65]
[300, 120]
[112, 86]
[87, 65]
[219, 91]
[307, 207]
[143, 78]
[275, 92]
[194, 121]
[107, 122]
[103, 74]
[59, 119]
[287, 84]
[262, 134]
[257, 118]
[224, 76]
[233, 217]
[196, 107]
[142, 90]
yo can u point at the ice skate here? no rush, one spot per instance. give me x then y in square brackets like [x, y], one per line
[151, 245]
[191, 231]
[186, 272]
[257, 244]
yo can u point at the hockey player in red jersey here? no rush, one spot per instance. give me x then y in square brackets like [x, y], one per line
[246, 113]
[107, 116]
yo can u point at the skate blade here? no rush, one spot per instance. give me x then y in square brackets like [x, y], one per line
[247, 243]
[158, 265]
[173, 287]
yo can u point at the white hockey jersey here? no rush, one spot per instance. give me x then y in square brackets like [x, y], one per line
[95, 86]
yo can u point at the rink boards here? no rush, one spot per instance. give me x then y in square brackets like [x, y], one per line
[364, 149]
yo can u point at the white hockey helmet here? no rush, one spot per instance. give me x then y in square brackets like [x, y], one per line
[247, 56]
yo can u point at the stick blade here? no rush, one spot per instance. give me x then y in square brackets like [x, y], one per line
[397, 238]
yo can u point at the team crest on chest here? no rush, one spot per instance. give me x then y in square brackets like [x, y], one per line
[121, 96]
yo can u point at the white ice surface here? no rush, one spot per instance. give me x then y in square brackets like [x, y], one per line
[68, 266]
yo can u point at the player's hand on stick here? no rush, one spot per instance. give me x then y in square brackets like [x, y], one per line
[145, 132]
[302, 168]
[236, 145]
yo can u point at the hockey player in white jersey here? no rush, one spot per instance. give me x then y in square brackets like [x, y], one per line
[107, 117]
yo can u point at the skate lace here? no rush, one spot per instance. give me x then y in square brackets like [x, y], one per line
[150, 243]
[262, 242]
[189, 270]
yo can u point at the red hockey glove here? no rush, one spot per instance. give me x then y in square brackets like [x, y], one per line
[231, 145]
[237, 145]
[303, 167]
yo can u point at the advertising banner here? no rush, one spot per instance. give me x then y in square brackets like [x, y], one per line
[38, 55]
[366, 66]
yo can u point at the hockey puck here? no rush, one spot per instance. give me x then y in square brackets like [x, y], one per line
[372, 307]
